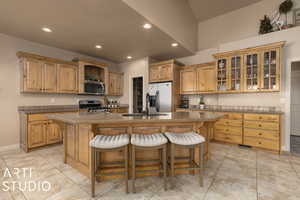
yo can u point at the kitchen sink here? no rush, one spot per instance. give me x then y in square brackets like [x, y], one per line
[143, 114]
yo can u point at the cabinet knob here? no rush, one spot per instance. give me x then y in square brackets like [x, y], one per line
[259, 142]
[259, 125]
[260, 134]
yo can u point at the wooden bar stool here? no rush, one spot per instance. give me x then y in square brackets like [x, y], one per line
[190, 140]
[103, 143]
[149, 142]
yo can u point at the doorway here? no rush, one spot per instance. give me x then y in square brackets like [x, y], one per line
[137, 103]
[295, 108]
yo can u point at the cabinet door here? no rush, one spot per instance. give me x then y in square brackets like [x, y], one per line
[187, 81]
[49, 77]
[112, 84]
[222, 74]
[270, 68]
[154, 74]
[53, 133]
[236, 73]
[119, 84]
[67, 78]
[206, 79]
[36, 134]
[252, 72]
[165, 72]
[33, 75]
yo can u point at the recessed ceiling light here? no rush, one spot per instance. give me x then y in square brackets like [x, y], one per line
[174, 44]
[129, 57]
[45, 29]
[147, 26]
[98, 47]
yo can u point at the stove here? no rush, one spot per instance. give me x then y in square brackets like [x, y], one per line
[92, 106]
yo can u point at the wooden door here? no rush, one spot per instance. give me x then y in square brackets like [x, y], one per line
[154, 74]
[270, 70]
[49, 77]
[67, 78]
[53, 133]
[112, 83]
[36, 134]
[187, 81]
[165, 72]
[206, 79]
[33, 75]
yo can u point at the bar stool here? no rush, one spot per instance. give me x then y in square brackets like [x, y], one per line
[190, 140]
[102, 143]
[149, 142]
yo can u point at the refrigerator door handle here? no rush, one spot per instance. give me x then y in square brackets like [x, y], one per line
[157, 107]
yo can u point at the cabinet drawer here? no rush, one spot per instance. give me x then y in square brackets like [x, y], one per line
[236, 116]
[263, 134]
[229, 130]
[262, 117]
[37, 117]
[262, 143]
[262, 125]
[229, 122]
[228, 138]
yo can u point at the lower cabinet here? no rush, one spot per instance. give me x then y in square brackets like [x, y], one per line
[119, 110]
[256, 130]
[230, 128]
[41, 133]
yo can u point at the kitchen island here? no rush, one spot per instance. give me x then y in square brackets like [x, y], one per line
[79, 128]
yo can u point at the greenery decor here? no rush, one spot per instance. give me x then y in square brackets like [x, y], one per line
[265, 25]
[286, 7]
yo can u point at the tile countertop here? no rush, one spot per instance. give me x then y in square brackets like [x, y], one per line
[232, 110]
[53, 108]
[112, 118]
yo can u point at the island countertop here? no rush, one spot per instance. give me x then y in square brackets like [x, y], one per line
[106, 118]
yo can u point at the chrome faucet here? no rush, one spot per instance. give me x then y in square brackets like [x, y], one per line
[147, 104]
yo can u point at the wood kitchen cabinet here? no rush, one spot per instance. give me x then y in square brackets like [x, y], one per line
[256, 69]
[188, 80]
[53, 133]
[206, 78]
[37, 134]
[163, 71]
[116, 84]
[41, 74]
[67, 78]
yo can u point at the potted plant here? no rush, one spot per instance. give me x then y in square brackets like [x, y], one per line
[201, 102]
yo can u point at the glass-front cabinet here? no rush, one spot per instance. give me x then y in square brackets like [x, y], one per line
[222, 74]
[270, 70]
[252, 72]
[236, 63]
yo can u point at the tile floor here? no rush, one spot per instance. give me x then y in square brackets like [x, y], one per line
[232, 173]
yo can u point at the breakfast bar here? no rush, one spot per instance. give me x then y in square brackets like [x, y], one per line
[80, 128]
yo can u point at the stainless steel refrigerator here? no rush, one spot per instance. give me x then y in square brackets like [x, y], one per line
[160, 97]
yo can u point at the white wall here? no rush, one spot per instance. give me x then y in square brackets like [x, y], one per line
[174, 17]
[10, 97]
[281, 99]
[238, 24]
[137, 68]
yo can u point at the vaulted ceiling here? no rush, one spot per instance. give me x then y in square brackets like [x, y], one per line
[206, 9]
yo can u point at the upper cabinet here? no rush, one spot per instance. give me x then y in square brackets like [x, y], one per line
[255, 69]
[163, 71]
[67, 78]
[188, 80]
[47, 75]
[198, 79]
[115, 84]
[206, 78]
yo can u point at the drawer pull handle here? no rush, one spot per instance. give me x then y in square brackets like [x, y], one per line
[260, 118]
[227, 130]
[260, 134]
[259, 142]
[259, 125]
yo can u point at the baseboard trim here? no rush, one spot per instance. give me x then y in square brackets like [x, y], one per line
[9, 147]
